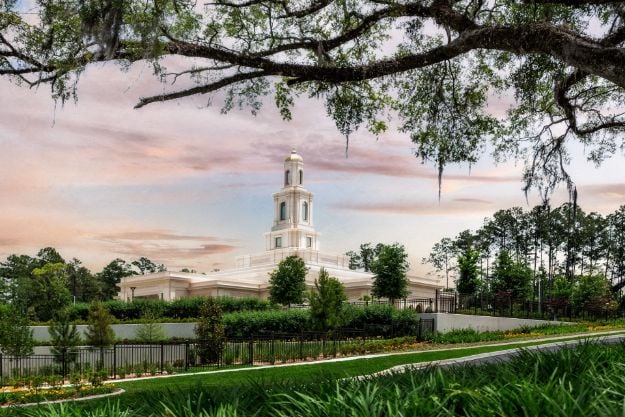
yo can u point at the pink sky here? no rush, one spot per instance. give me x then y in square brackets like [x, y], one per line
[189, 187]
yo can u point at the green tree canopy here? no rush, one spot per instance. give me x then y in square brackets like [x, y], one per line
[326, 302]
[365, 256]
[111, 275]
[287, 283]
[48, 290]
[16, 337]
[390, 270]
[469, 275]
[433, 65]
[592, 291]
[99, 332]
[511, 277]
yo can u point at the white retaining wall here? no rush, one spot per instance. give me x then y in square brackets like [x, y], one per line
[444, 322]
[124, 331]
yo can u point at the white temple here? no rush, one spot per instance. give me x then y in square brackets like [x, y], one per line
[292, 233]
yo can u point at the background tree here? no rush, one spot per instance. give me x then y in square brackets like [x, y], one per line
[65, 338]
[83, 286]
[16, 337]
[326, 302]
[562, 288]
[48, 290]
[111, 275]
[210, 332]
[99, 332]
[442, 258]
[511, 277]
[288, 282]
[592, 292]
[145, 266]
[468, 272]
[390, 270]
[365, 256]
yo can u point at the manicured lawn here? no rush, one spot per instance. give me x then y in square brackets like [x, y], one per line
[247, 386]
[313, 371]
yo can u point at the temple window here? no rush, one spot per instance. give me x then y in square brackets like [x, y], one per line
[283, 211]
[305, 211]
[287, 177]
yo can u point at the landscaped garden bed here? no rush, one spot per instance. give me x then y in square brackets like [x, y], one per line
[28, 395]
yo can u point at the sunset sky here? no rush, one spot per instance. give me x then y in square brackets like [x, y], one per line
[187, 186]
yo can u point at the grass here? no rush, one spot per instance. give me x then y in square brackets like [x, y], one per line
[588, 380]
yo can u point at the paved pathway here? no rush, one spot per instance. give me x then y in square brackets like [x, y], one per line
[492, 357]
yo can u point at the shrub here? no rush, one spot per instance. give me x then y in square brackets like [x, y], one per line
[250, 323]
[210, 332]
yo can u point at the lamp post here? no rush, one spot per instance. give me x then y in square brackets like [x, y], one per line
[132, 293]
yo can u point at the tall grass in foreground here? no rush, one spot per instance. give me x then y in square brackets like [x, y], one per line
[587, 380]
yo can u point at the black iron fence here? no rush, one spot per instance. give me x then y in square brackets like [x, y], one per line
[553, 309]
[124, 360]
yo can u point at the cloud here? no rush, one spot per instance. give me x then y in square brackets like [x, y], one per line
[472, 201]
[154, 235]
[419, 209]
[164, 245]
[604, 191]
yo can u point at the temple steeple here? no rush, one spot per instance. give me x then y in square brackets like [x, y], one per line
[293, 210]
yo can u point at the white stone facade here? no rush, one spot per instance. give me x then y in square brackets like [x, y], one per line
[292, 233]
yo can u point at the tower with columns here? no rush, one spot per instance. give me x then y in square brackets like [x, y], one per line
[293, 211]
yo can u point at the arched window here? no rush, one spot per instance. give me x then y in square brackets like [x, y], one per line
[287, 177]
[301, 177]
[283, 211]
[305, 211]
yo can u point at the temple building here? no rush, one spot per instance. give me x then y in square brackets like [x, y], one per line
[292, 233]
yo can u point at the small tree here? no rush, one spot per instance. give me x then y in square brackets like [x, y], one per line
[16, 337]
[390, 270]
[592, 292]
[468, 280]
[150, 331]
[326, 302]
[99, 332]
[65, 339]
[561, 289]
[287, 283]
[210, 332]
[511, 277]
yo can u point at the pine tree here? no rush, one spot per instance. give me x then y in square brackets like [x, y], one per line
[151, 330]
[65, 339]
[326, 302]
[99, 332]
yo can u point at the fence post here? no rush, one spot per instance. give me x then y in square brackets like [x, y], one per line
[301, 346]
[437, 296]
[63, 364]
[419, 329]
[250, 351]
[186, 355]
[162, 357]
[114, 360]
[1, 370]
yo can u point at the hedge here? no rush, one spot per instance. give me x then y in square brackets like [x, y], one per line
[182, 308]
[375, 320]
